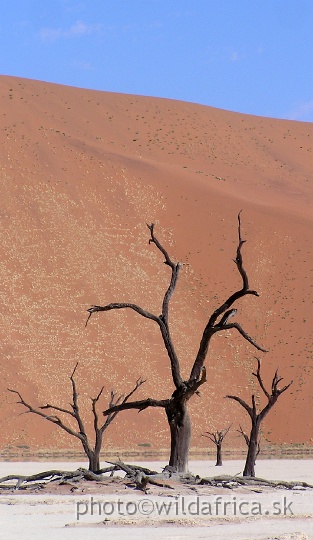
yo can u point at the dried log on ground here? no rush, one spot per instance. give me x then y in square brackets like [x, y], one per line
[141, 477]
[55, 475]
[235, 481]
[120, 465]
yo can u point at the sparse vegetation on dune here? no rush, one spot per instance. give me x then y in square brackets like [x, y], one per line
[81, 172]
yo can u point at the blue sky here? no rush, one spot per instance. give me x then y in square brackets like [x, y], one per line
[250, 56]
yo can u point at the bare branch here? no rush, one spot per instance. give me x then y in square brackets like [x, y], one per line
[225, 313]
[175, 271]
[211, 436]
[74, 371]
[238, 261]
[56, 408]
[202, 378]
[167, 340]
[275, 382]
[119, 401]
[139, 382]
[256, 417]
[140, 405]
[245, 436]
[92, 452]
[122, 305]
[99, 395]
[217, 437]
[53, 419]
[225, 431]
[275, 391]
[245, 283]
[161, 320]
[259, 378]
[112, 399]
[228, 315]
[244, 334]
[75, 407]
[285, 388]
[94, 409]
[154, 240]
[242, 403]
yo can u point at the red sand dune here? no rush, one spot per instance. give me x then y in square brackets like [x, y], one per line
[82, 172]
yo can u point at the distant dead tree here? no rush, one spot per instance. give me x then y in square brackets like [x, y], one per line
[176, 405]
[217, 437]
[92, 450]
[257, 418]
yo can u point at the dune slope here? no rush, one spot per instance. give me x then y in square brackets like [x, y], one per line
[81, 173]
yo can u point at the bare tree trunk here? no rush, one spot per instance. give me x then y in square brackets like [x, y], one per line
[94, 462]
[94, 455]
[252, 450]
[219, 461]
[180, 428]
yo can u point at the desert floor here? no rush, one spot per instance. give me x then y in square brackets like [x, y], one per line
[118, 512]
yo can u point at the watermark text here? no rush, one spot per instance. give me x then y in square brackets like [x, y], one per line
[182, 506]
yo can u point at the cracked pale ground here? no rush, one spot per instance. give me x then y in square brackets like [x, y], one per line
[116, 512]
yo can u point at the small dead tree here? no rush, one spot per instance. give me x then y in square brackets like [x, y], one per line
[257, 418]
[217, 437]
[176, 405]
[92, 450]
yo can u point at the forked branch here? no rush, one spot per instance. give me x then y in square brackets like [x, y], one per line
[244, 435]
[161, 320]
[271, 397]
[218, 321]
[74, 413]
[120, 401]
[175, 272]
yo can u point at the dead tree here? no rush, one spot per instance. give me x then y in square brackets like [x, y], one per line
[247, 441]
[92, 450]
[217, 437]
[257, 418]
[176, 405]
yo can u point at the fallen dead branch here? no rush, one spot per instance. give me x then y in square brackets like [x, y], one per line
[140, 478]
[54, 476]
[235, 481]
